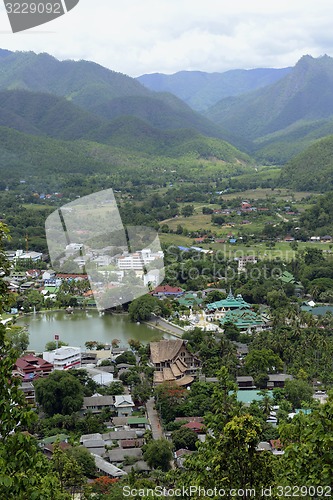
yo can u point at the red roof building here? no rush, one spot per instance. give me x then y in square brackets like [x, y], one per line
[195, 426]
[167, 290]
[30, 367]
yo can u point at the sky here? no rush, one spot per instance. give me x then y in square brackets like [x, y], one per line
[165, 36]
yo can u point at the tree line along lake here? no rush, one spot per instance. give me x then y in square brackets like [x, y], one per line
[81, 326]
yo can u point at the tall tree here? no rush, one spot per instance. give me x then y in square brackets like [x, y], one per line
[60, 393]
[25, 472]
[229, 459]
[158, 454]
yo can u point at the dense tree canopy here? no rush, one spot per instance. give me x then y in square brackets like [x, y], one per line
[60, 392]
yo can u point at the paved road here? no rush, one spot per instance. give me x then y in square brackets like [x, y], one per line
[154, 420]
[160, 324]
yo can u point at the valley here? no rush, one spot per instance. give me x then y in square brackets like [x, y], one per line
[226, 357]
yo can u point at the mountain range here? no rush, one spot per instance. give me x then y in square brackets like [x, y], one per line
[202, 90]
[288, 111]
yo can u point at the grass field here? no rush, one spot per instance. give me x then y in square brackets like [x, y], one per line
[262, 193]
[281, 249]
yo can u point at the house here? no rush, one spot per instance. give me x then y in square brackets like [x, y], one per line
[181, 455]
[173, 362]
[18, 275]
[197, 427]
[167, 291]
[30, 367]
[138, 423]
[29, 392]
[139, 466]
[32, 273]
[131, 443]
[49, 448]
[94, 443]
[189, 419]
[48, 275]
[278, 380]
[97, 403]
[119, 455]
[103, 378]
[107, 469]
[72, 277]
[109, 437]
[245, 382]
[58, 438]
[124, 405]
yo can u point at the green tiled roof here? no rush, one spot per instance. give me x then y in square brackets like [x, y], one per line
[287, 277]
[51, 289]
[189, 299]
[54, 439]
[137, 420]
[242, 318]
[229, 303]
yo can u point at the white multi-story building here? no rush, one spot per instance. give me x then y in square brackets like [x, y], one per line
[131, 261]
[138, 260]
[33, 256]
[64, 357]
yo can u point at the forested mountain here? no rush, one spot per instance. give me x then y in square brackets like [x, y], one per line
[285, 117]
[45, 114]
[99, 90]
[48, 163]
[311, 170]
[70, 101]
[202, 90]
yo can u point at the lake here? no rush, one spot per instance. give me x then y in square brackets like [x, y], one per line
[77, 328]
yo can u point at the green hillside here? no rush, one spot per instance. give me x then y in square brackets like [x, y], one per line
[44, 161]
[285, 117]
[48, 115]
[45, 114]
[133, 134]
[202, 90]
[311, 170]
[99, 90]
[319, 218]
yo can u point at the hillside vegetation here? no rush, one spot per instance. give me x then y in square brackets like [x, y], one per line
[283, 118]
[311, 170]
[99, 90]
[202, 90]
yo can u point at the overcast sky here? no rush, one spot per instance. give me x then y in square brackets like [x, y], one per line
[136, 37]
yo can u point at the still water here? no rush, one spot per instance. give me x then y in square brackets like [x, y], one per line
[77, 328]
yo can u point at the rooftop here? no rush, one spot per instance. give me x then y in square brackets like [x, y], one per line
[230, 302]
[165, 350]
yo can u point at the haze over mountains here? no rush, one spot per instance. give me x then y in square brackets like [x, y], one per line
[288, 110]
[202, 90]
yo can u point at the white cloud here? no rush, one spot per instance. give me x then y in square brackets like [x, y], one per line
[171, 35]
